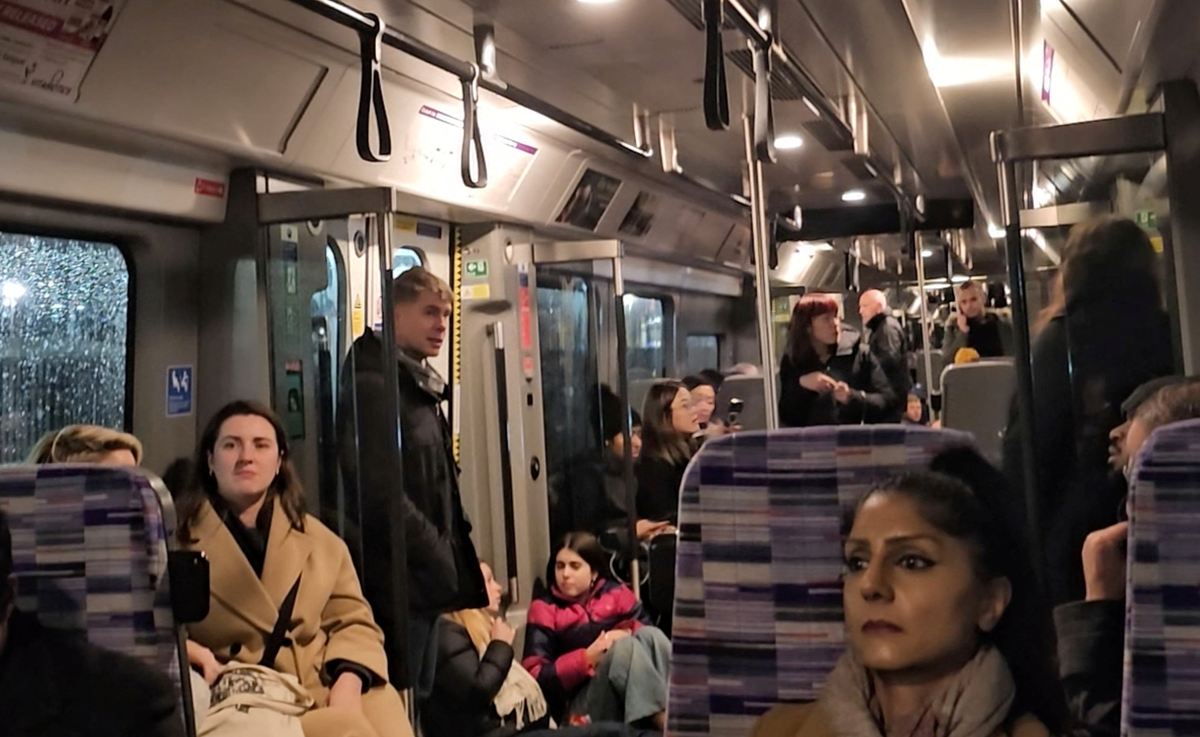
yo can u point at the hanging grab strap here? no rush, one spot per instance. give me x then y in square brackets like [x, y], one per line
[371, 95]
[472, 144]
[764, 111]
[716, 94]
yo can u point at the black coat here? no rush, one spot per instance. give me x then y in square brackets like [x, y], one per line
[1091, 651]
[466, 685]
[53, 685]
[443, 568]
[658, 481]
[890, 349]
[872, 400]
[1084, 367]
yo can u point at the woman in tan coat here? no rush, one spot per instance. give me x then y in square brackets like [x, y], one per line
[245, 510]
[946, 631]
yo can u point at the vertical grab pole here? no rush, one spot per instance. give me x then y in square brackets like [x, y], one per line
[391, 381]
[762, 277]
[914, 243]
[635, 573]
[1011, 210]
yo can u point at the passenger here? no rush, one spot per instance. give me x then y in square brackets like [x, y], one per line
[244, 509]
[945, 629]
[989, 332]
[704, 404]
[714, 377]
[590, 644]
[616, 519]
[1103, 334]
[480, 689]
[1091, 632]
[966, 355]
[87, 444]
[916, 412]
[824, 379]
[884, 338]
[670, 423]
[52, 684]
[442, 574]
[1119, 456]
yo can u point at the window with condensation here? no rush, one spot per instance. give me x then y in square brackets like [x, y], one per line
[703, 352]
[64, 338]
[644, 337]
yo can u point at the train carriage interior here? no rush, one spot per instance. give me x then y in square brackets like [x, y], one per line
[204, 201]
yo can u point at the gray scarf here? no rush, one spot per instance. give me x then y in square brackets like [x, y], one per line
[975, 703]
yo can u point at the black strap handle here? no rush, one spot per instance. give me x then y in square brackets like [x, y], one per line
[716, 93]
[764, 111]
[371, 95]
[472, 145]
[278, 636]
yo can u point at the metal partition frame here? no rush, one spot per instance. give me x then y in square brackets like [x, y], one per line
[614, 251]
[1173, 131]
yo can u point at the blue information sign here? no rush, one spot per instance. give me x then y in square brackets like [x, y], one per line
[179, 391]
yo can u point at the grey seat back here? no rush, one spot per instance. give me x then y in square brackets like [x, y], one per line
[976, 398]
[749, 389]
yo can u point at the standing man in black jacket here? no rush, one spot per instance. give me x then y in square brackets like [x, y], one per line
[443, 570]
[884, 337]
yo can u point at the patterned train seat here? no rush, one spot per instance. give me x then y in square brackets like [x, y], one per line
[90, 549]
[758, 603]
[1162, 640]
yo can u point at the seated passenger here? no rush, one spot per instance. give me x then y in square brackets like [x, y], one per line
[479, 688]
[615, 524]
[824, 379]
[916, 412]
[87, 444]
[52, 684]
[669, 424]
[245, 510]
[1091, 633]
[590, 645]
[988, 332]
[704, 404]
[945, 631]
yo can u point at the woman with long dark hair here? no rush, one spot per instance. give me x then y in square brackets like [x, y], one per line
[669, 422]
[825, 379]
[1103, 334]
[947, 633]
[244, 509]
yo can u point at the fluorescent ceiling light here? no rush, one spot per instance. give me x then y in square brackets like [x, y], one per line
[854, 195]
[596, 2]
[926, 253]
[960, 279]
[955, 71]
[811, 106]
[788, 141]
[996, 231]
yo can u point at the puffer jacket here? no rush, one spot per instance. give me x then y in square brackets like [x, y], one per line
[872, 399]
[560, 631]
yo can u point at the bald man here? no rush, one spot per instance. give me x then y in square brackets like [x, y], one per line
[885, 339]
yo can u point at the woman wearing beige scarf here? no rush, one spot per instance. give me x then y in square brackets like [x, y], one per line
[946, 631]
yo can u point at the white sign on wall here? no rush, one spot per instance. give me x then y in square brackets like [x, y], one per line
[47, 46]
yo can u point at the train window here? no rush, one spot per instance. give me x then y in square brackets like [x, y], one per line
[644, 331]
[703, 352]
[405, 258]
[64, 328]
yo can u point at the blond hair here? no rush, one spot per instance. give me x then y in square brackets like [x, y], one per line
[83, 444]
[409, 286]
[477, 623]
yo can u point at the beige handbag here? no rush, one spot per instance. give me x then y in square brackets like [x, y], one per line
[255, 701]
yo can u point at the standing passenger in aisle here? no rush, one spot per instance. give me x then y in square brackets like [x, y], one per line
[443, 569]
[884, 338]
[990, 333]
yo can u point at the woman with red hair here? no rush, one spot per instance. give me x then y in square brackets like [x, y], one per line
[826, 379]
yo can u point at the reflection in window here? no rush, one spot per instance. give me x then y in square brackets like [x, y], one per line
[404, 259]
[64, 319]
[326, 308]
[644, 337]
[703, 352]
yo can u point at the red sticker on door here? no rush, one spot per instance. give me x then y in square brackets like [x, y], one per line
[209, 187]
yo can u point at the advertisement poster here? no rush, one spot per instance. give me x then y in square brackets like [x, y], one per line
[49, 45]
[590, 199]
